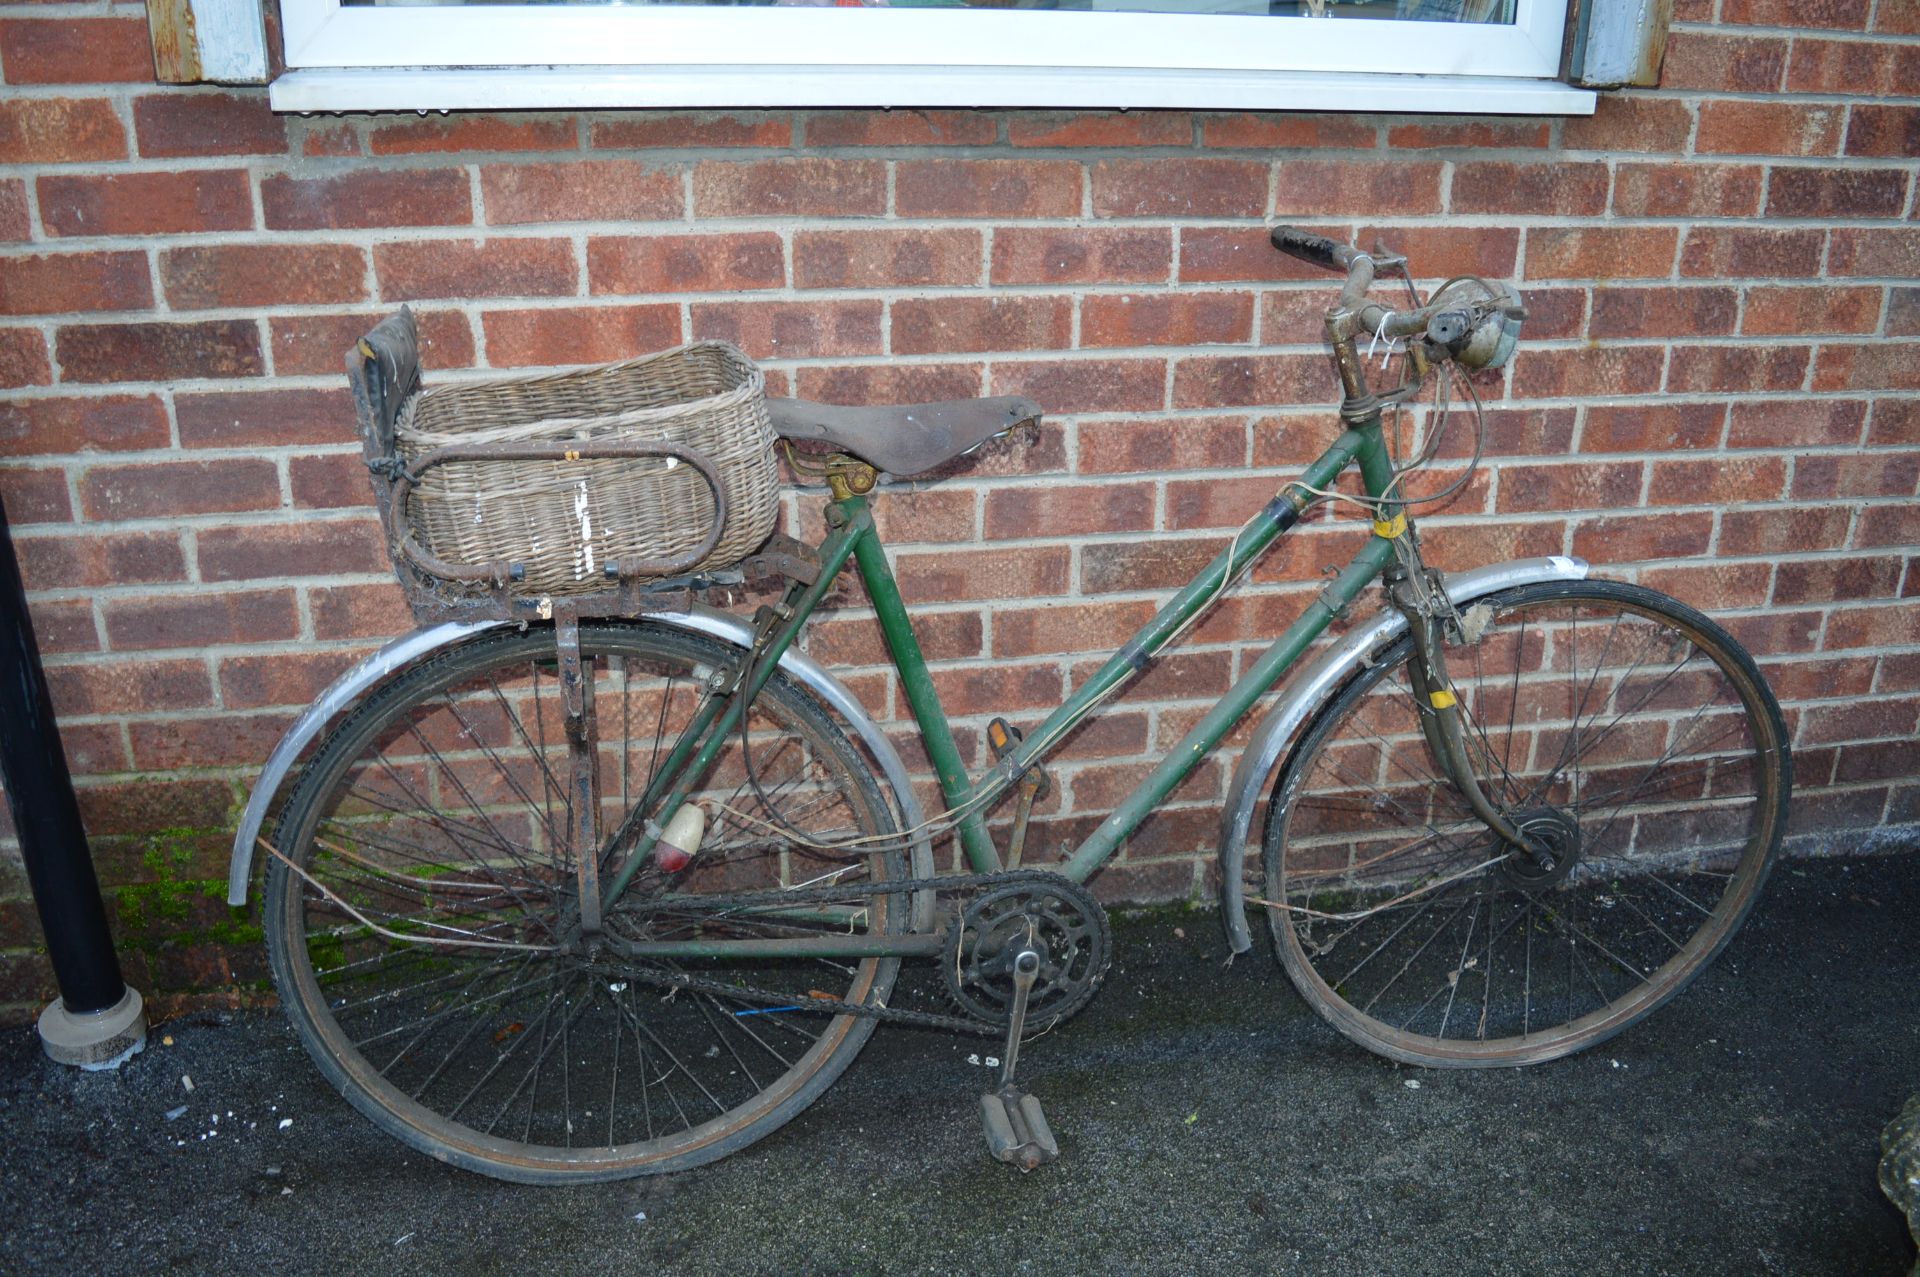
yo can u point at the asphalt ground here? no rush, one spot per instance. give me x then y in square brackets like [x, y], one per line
[1208, 1120]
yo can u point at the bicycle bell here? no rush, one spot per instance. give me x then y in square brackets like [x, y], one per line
[1480, 324]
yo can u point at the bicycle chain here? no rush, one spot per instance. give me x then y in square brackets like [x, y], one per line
[677, 980]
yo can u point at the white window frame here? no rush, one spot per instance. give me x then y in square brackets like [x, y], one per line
[343, 57]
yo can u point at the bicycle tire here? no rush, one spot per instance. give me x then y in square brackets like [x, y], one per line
[1639, 908]
[410, 812]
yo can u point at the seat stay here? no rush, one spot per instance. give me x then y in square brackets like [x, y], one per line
[906, 439]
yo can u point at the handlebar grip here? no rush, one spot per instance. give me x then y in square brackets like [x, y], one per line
[1316, 250]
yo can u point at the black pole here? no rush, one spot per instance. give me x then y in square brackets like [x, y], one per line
[46, 815]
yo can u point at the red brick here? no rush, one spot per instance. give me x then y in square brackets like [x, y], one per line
[1287, 131]
[16, 223]
[986, 188]
[578, 334]
[1217, 503]
[167, 488]
[1723, 63]
[1813, 192]
[159, 351]
[646, 129]
[943, 325]
[1456, 547]
[329, 481]
[76, 51]
[1897, 524]
[1881, 130]
[645, 265]
[290, 678]
[890, 383]
[1769, 128]
[1441, 252]
[1897, 17]
[1839, 14]
[936, 516]
[1069, 511]
[1893, 252]
[62, 283]
[1590, 485]
[226, 740]
[943, 636]
[1085, 385]
[1069, 627]
[263, 418]
[1662, 311]
[474, 133]
[1857, 475]
[1566, 188]
[65, 625]
[1712, 587]
[367, 198]
[146, 203]
[1796, 423]
[1211, 381]
[1724, 252]
[200, 619]
[127, 686]
[1651, 427]
[257, 275]
[1718, 369]
[1854, 67]
[23, 359]
[461, 268]
[1640, 537]
[313, 547]
[1882, 626]
[336, 140]
[997, 688]
[1480, 134]
[60, 131]
[884, 258]
[1552, 313]
[1210, 254]
[793, 330]
[1150, 446]
[808, 187]
[1717, 480]
[1894, 421]
[1101, 128]
[1321, 188]
[580, 191]
[35, 496]
[1903, 312]
[953, 575]
[1628, 123]
[1180, 188]
[315, 345]
[1153, 564]
[1691, 190]
[177, 123]
[359, 611]
[1600, 252]
[1879, 366]
[1775, 311]
[107, 423]
[1059, 255]
[902, 128]
[1165, 319]
[117, 558]
[1837, 580]
[1596, 371]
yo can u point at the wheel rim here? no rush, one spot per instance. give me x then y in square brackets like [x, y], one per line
[431, 814]
[1614, 722]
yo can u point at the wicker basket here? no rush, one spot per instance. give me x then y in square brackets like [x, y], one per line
[563, 522]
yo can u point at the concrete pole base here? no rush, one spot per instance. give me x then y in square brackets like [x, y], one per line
[100, 1040]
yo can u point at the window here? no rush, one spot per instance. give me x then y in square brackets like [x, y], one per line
[1364, 55]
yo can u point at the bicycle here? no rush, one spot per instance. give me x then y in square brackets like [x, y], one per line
[1501, 820]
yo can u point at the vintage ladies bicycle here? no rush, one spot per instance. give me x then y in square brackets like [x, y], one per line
[574, 886]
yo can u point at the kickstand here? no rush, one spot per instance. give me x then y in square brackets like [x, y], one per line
[1017, 1131]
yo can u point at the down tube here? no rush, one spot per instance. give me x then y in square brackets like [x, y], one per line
[1209, 731]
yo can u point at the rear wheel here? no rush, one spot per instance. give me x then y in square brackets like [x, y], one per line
[422, 914]
[1626, 732]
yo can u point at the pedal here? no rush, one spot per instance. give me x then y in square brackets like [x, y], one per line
[1017, 1131]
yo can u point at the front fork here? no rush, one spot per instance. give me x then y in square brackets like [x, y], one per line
[1418, 595]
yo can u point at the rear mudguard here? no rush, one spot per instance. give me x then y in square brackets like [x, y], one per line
[422, 643]
[1305, 693]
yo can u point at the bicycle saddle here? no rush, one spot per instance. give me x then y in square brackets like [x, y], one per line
[906, 439]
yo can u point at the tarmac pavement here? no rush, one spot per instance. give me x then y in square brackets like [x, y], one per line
[1209, 1122]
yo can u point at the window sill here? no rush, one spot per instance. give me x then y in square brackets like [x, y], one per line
[542, 88]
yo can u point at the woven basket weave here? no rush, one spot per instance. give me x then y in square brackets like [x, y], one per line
[564, 521]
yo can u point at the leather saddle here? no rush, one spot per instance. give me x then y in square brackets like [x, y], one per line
[907, 439]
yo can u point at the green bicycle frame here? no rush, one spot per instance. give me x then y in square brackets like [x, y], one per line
[852, 537]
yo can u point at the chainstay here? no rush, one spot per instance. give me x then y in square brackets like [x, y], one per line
[838, 893]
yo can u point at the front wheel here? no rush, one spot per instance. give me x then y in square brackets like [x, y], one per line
[423, 921]
[1626, 731]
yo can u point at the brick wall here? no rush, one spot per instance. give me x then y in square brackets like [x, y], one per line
[1721, 394]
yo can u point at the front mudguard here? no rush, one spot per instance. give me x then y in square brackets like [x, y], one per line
[423, 643]
[1304, 694]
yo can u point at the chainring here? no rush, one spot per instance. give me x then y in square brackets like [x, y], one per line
[1062, 921]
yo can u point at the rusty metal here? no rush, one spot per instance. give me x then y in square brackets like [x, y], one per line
[783, 557]
[583, 767]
